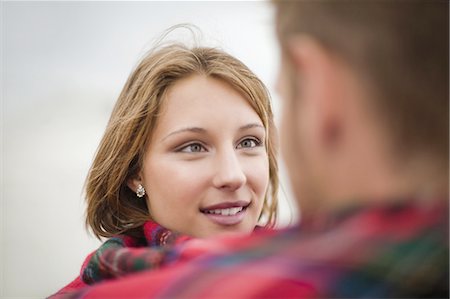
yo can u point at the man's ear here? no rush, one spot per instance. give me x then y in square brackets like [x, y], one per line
[314, 66]
[320, 86]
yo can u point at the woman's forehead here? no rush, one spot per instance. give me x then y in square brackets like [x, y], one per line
[205, 98]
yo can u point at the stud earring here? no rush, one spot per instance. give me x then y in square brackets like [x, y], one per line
[140, 191]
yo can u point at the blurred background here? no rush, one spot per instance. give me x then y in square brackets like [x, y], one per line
[63, 66]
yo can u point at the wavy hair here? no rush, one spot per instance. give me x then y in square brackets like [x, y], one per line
[112, 208]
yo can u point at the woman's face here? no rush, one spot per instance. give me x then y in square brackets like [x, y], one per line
[206, 169]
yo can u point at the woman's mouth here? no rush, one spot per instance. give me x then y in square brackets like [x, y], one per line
[230, 213]
[224, 212]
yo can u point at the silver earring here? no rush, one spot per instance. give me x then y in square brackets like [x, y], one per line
[140, 191]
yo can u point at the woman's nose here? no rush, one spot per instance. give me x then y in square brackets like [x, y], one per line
[229, 174]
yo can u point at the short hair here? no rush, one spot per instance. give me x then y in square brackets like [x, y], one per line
[112, 208]
[400, 48]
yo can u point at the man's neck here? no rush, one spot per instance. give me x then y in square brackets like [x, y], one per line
[379, 182]
[384, 183]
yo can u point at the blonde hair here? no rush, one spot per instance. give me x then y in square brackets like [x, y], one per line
[112, 208]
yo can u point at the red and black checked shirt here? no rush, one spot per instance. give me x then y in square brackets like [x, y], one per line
[395, 251]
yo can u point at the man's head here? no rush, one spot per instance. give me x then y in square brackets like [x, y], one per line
[365, 90]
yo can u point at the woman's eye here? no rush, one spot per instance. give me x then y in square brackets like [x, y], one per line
[193, 148]
[249, 143]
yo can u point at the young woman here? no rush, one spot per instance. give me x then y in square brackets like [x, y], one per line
[189, 151]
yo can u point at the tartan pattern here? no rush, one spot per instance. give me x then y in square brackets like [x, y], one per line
[123, 255]
[395, 251]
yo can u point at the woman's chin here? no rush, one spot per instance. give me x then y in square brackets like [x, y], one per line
[214, 229]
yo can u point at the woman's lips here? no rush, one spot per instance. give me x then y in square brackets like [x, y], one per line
[227, 213]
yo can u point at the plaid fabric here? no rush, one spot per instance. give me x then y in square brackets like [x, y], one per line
[396, 251]
[123, 255]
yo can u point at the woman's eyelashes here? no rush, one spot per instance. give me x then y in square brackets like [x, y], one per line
[198, 147]
[194, 147]
[248, 143]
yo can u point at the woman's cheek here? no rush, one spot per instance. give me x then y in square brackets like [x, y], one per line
[259, 175]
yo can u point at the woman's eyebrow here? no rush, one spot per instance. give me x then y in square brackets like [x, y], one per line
[201, 130]
[250, 126]
[188, 129]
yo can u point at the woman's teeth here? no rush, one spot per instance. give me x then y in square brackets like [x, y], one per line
[225, 212]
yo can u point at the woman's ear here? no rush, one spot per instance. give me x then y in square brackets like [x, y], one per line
[133, 183]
